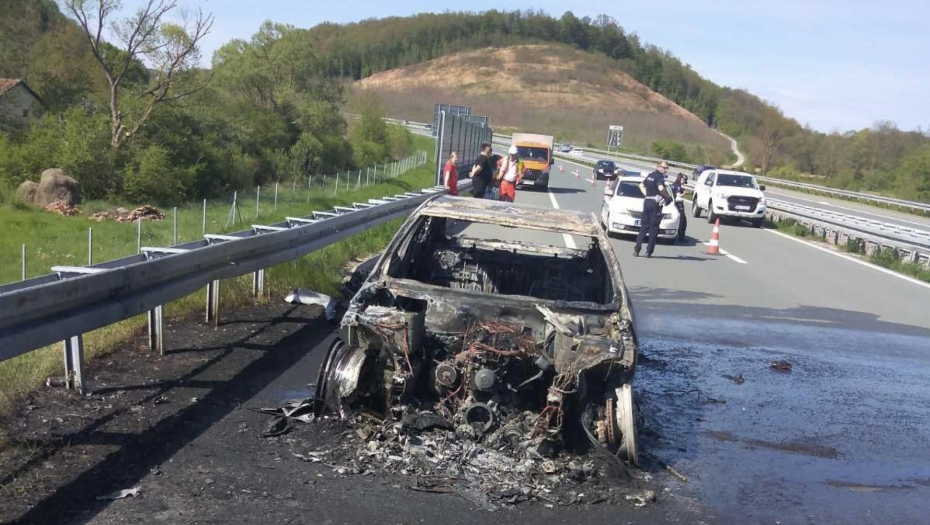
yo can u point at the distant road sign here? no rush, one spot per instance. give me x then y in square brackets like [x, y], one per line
[614, 137]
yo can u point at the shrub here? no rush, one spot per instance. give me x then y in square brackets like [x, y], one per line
[671, 150]
[853, 245]
[886, 257]
[152, 177]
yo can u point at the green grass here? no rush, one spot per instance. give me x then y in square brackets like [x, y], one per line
[888, 258]
[55, 240]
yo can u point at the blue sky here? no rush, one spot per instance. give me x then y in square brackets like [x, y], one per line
[834, 64]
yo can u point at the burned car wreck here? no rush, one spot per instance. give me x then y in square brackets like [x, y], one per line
[479, 320]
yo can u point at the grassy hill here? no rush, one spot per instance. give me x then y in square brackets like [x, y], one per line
[543, 88]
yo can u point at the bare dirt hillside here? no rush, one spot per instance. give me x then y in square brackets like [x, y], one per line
[544, 87]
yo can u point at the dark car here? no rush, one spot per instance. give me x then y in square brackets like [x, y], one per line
[701, 169]
[605, 169]
[467, 319]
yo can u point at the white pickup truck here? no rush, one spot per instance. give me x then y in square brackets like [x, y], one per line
[729, 194]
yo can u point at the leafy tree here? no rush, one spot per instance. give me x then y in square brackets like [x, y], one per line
[170, 50]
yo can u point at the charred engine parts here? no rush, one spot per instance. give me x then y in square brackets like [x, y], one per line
[480, 417]
[484, 380]
[447, 376]
[563, 369]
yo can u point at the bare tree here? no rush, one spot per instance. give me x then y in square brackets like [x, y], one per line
[167, 48]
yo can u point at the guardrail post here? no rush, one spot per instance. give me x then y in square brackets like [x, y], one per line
[258, 283]
[275, 196]
[213, 302]
[258, 200]
[73, 349]
[157, 330]
[139, 235]
[90, 246]
[336, 190]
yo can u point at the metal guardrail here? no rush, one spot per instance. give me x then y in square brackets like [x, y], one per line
[890, 232]
[72, 301]
[846, 194]
[834, 231]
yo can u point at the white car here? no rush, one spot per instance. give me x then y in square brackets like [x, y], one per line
[729, 194]
[622, 212]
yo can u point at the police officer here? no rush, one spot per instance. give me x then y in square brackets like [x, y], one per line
[653, 187]
[678, 190]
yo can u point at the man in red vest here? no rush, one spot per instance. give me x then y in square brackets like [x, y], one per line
[510, 175]
[450, 177]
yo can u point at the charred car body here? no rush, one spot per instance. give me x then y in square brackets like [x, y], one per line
[457, 321]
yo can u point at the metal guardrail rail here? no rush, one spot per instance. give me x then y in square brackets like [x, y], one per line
[71, 301]
[835, 232]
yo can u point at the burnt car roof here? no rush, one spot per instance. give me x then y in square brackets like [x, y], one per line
[513, 215]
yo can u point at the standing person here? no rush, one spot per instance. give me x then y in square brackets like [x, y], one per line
[653, 187]
[511, 173]
[678, 190]
[450, 177]
[481, 173]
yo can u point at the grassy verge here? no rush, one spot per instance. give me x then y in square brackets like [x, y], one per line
[886, 258]
[64, 239]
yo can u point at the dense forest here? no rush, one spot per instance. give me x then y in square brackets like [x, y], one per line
[270, 106]
[263, 112]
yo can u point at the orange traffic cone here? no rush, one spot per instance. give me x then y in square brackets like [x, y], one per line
[713, 247]
[561, 168]
[593, 181]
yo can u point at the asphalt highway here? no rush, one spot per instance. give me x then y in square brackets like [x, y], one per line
[843, 438]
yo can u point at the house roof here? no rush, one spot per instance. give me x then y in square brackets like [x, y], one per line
[7, 84]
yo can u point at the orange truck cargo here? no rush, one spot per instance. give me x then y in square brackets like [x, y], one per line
[536, 153]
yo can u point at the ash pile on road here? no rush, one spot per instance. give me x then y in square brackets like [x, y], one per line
[484, 449]
[499, 469]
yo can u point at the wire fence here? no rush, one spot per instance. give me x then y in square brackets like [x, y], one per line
[106, 240]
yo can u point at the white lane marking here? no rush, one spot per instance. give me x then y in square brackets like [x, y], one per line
[727, 254]
[857, 210]
[853, 259]
[569, 242]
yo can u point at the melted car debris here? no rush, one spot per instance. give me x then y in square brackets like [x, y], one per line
[481, 363]
[480, 443]
[502, 468]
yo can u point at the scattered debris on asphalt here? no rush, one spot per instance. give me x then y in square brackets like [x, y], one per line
[277, 427]
[62, 208]
[781, 366]
[120, 494]
[506, 466]
[738, 379]
[309, 297]
[299, 409]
